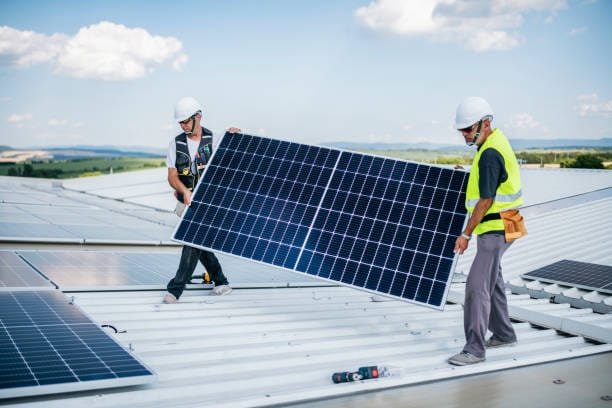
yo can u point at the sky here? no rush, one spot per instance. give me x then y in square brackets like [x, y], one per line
[383, 71]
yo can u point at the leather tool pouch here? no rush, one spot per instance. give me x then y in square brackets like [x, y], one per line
[514, 224]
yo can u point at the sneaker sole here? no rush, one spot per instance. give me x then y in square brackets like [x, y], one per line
[502, 345]
[461, 364]
[221, 294]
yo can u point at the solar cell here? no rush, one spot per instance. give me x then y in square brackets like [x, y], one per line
[47, 345]
[379, 224]
[15, 273]
[582, 275]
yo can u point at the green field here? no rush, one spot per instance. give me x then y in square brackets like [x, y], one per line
[60, 169]
[560, 158]
[79, 167]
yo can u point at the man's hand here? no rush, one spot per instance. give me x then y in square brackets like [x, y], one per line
[187, 197]
[234, 130]
[461, 244]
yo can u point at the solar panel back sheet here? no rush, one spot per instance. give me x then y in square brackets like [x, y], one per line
[379, 224]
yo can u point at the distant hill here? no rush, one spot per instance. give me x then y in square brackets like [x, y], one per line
[82, 152]
[560, 143]
[518, 144]
[156, 151]
[65, 153]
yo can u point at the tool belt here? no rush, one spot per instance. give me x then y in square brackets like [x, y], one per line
[514, 223]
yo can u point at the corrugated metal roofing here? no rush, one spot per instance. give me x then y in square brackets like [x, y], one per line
[262, 346]
[259, 347]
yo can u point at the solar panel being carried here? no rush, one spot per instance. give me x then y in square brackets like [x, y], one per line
[582, 275]
[379, 224]
[47, 346]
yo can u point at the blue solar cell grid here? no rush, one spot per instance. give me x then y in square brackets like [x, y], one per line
[45, 341]
[379, 224]
[583, 275]
[388, 226]
[258, 198]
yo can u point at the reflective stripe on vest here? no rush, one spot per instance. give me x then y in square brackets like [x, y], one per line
[509, 193]
[502, 198]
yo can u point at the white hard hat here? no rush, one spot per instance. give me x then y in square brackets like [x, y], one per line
[185, 108]
[471, 110]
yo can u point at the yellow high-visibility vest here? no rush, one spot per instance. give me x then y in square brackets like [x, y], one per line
[508, 195]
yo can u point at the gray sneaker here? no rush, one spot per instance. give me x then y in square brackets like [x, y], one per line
[494, 343]
[221, 290]
[170, 298]
[465, 358]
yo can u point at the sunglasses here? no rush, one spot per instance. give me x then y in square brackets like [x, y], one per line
[186, 121]
[467, 129]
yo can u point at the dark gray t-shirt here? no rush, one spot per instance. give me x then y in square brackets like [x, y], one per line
[492, 170]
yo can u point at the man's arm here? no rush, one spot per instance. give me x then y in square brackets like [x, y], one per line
[178, 186]
[482, 206]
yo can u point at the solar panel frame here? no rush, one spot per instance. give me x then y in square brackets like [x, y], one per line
[49, 346]
[235, 242]
[583, 275]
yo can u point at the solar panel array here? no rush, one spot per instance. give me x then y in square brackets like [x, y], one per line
[83, 270]
[47, 345]
[15, 273]
[24, 219]
[582, 275]
[384, 225]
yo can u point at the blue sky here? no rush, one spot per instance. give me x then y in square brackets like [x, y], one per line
[109, 72]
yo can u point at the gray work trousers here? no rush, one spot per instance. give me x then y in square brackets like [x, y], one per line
[486, 306]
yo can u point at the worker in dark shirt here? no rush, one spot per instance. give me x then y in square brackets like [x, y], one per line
[494, 185]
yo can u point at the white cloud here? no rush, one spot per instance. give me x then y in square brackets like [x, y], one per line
[492, 40]
[29, 48]
[63, 123]
[525, 121]
[19, 119]
[57, 122]
[105, 51]
[592, 105]
[550, 19]
[577, 31]
[481, 25]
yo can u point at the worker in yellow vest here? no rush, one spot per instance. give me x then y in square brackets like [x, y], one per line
[494, 185]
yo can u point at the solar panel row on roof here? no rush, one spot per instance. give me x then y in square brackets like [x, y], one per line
[48, 345]
[583, 275]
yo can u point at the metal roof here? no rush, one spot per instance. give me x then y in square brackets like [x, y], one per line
[265, 344]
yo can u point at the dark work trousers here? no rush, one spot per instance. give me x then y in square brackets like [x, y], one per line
[486, 306]
[189, 260]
